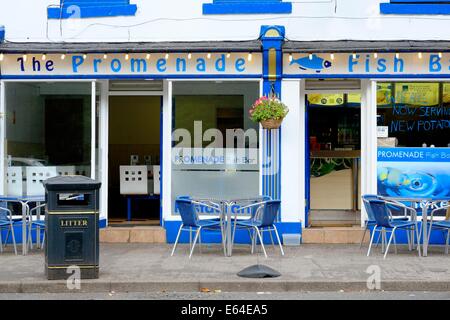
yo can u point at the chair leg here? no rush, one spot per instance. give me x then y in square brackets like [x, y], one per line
[271, 237]
[253, 241]
[395, 242]
[13, 238]
[43, 241]
[278, 239]
[176, 240]
[408, 238]
[416, 227]
[6, 239]
[195, 241]
[1, 245]
[261, 240]
[389, 243]
[447, 242]
[200, 242]
[364, 235]
[378, 239]
[371, 240]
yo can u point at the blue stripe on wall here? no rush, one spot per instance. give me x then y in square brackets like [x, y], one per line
[91, 9]
[247, 7]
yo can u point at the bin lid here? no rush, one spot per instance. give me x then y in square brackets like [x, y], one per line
[71, 183]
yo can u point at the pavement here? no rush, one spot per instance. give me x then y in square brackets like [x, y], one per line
[306, 268]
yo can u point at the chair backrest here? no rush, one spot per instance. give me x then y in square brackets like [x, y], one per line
[366, 198]
[254, 209]
[187, 212]
[380, 213]
[269, 213]
[3, 213]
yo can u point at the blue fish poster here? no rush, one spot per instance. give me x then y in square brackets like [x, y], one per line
[414, 172]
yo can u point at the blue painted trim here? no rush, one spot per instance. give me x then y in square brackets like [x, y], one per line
[240, 238]
[247, 7]
[410, 8]
[365, 76]
[114, 77]
[2, 33]
[307, 167]
[103, 223]
[91, 9]
[161, 160]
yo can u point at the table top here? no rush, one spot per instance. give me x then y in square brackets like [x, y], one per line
[228, 200]
[23, 198]
[417, 199]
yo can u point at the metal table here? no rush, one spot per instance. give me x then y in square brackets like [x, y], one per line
[226, 217]
[428, 201]
[24, 202]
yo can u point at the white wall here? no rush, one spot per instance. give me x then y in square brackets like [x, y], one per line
[293, 159]
[182, 20]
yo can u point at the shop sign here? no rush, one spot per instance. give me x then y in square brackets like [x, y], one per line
[414, 172]
[366, 64]
[215, 156]
[151, 65]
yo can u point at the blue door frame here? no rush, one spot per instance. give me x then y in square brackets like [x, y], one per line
[307, 166]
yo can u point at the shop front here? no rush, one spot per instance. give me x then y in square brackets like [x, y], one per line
[371, 122]
[153, 121]
[150, 124]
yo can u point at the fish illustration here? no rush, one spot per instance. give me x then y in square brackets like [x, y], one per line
[394, 182]
[313, 63]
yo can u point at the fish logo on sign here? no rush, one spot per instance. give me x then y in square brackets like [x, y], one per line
[312, 62]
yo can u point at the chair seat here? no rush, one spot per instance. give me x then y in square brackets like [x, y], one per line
[400, 224]
[4, 223]
[442, 224]
[209, 223]
[38, 223]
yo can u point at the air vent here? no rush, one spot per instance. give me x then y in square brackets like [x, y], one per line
[144, 85]
[332, 85]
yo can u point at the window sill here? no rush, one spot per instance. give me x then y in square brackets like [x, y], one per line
[389, 8]
[245, 8]
[93, 12]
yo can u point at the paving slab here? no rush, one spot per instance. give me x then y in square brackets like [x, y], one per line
[135, 267]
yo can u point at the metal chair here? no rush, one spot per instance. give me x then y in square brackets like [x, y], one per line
[264, 221]
[443, 225]
[255, 206]
[385, 222]
[7, 221]
[37, 225]
[370, 222]
[190, 221]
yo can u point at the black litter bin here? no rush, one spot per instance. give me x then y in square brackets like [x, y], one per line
[71, 229]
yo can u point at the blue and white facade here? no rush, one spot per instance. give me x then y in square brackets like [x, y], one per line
[80, 37]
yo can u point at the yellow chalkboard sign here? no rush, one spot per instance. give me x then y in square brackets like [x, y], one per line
[446, 94]
[384, 94]
[417, 94]
[326, 99]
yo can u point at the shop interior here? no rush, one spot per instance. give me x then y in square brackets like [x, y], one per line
[134, 159]
[334, 130]
[48, 133]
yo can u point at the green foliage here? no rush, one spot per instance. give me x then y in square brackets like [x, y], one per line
[266, 108]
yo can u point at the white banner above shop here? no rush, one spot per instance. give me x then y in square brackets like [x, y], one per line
[135, 65]
[366, 64]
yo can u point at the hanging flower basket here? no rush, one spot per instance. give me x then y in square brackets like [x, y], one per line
[269, 111]
[271, 123]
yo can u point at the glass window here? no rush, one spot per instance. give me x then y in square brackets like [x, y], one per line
[214, 143]
[48, 133]
[416, 114]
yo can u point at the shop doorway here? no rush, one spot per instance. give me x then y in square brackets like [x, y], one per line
[333, 183]
[134, 160]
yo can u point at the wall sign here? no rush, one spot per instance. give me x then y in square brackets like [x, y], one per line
[370, 64]
[414, 172]
[154, 65]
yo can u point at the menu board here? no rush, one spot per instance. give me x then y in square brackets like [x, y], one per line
[446, 93]
[354, 98]
[384, 94]
[326, 99]
[417, 94]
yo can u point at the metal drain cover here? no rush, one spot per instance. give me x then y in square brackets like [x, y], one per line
[258, 271]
